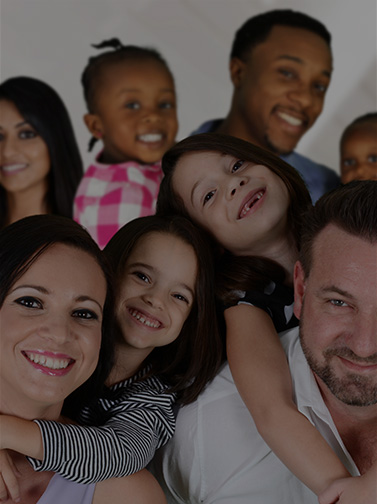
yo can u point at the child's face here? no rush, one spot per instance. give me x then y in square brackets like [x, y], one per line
[359, 154]
[157, 291]
[24, 157]
[135, 112]
[243, 205]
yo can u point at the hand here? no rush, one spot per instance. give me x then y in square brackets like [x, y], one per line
[354, 490]
[9, 487]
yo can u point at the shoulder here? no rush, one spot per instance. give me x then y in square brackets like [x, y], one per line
[140, 487]
[208, 126]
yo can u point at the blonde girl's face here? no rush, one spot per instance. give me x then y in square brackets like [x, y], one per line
[135, 112]
[157, 291]
[24, 157]
[243, 205]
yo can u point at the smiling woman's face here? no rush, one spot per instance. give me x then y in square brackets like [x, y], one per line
[24, 157]
[50, 331]
[243, 205]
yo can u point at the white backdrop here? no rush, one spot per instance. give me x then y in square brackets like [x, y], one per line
[50, 40]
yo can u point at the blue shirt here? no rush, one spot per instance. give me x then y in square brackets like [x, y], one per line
[318, 178]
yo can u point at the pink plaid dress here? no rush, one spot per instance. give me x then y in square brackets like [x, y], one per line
[109, 196]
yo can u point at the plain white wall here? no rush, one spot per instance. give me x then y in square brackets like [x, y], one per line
[50, 40]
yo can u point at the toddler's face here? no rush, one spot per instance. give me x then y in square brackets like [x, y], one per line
[135, 112]
[359, 154]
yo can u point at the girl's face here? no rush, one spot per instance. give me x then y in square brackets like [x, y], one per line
[135, 112]
[24, 156]
[243, 205]
[157, 291]
[50, 331]
[359, 154]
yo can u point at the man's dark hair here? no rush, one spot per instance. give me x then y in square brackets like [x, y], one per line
[256, 29]
[351, 207]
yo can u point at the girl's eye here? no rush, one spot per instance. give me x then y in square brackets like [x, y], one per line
[237, 165]
[208, 196]
[27, 134]
[166, 105]
[85, 314]
[338, 303]
[181, 298]
[29, 302]
[142, 276]
[372, 158]
[133, 105]
[348, 162]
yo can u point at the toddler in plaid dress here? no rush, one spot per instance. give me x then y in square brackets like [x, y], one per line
[130, 95]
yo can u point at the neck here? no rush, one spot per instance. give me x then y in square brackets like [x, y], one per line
[127, 362]
[28, 202]
[356, 426]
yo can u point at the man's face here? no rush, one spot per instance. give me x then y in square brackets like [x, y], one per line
[337, 307]
[280, 88]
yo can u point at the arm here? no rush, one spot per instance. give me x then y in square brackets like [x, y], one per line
[126, 443]
[9, 487]
[361, 489]
[21, 435]
[261, 373]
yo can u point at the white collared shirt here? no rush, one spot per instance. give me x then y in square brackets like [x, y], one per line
[217, 456]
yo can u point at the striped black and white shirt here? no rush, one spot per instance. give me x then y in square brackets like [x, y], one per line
[117, 437]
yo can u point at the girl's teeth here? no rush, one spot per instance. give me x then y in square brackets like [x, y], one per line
[144, 320]
[251, 203]
[151, 137]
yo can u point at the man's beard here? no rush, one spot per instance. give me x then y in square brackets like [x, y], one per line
[270, 146]
[352, 389]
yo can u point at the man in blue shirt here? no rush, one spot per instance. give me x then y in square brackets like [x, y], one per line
[280, 67]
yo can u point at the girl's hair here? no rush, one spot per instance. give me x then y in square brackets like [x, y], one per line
[190, 361]
[369, 118]
[120, 53]
[237, 273]
[21, 244]
[43, 109]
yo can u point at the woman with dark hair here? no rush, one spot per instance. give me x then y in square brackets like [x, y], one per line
[167, 348]
[253, 204]
[55, 299]
[40, 163]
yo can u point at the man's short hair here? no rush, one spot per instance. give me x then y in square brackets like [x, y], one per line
[351, 207]
[256, 29]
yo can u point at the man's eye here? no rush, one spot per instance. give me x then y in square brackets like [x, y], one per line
[321, 88]
[237, 165]
[338, 302]
[29, 302]
[133, 105]
[208, 196]
[372, 158]
[287, 73]
[85, 314]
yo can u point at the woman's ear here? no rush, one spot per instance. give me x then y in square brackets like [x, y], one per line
[299, 286]
[94, 125]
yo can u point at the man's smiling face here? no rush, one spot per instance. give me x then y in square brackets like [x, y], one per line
[280, 87]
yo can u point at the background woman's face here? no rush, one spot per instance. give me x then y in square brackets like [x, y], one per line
[50, 331]
[24, 157]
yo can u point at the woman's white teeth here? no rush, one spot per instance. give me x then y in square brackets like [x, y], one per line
[247, 207]
[141, 318]
[294, 121]
[12, 168]
[151, 137]
[48, 362]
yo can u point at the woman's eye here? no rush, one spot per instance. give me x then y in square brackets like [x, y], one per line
[85, 314]
[133, 105]
[338, 302]
[208, 196]
[237, 165]
[27, 134]
[29, 302]
[372, 158]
